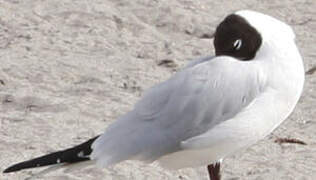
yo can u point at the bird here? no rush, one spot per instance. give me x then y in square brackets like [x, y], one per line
[214, 107]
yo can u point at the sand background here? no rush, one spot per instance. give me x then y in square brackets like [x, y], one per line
[69, 68]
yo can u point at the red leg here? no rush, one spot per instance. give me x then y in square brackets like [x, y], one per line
[214, 171]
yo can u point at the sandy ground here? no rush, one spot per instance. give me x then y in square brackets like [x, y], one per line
[69, 68]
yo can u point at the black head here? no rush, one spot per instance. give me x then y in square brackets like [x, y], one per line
[237, 38]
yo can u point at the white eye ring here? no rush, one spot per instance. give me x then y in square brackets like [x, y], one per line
[237, 44]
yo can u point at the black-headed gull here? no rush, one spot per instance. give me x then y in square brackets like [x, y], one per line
[212, 108]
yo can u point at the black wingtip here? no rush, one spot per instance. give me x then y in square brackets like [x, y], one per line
[12, 169]
[25, 165]
[72, 155]
[46, 160]
[9, 169]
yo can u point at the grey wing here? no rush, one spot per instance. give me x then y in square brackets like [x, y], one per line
[200, 60]
[188, 104]
[158, 96]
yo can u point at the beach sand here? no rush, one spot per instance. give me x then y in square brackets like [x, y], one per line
[69, 68]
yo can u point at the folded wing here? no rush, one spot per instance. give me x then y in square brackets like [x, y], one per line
[189, 104]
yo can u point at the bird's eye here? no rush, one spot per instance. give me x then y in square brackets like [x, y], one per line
[237, 44]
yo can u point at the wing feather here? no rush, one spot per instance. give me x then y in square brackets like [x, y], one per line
[194, 100]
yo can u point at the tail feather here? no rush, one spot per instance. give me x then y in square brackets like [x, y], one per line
[75, 154]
